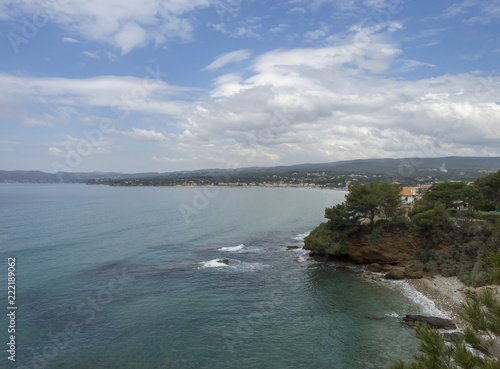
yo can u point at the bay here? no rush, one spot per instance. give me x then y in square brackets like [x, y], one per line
[122, 277]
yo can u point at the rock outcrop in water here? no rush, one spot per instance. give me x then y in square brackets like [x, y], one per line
[431, 321]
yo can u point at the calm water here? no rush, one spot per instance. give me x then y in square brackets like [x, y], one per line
[128, 278]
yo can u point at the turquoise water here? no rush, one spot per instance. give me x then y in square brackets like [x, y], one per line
[111, 277]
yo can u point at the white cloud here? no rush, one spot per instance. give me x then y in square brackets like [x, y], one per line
[119, 94]
[145, 135]
[70, 40]
[405, 65]
[474, 11]
[297, 10]
[279, 28]
[131, 35]
[36, 122]
[166, 159]
[92, 55]
[121, 24]
[231, 57]
[326, 104]
[470, 57]
[315, 35]
[54, 151]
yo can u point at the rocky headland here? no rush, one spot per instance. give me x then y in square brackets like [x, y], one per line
[391, 253]
[392, 256]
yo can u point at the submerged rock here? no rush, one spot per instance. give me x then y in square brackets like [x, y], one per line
[374, 316]
[431, 321]
[223, 261]
[292, 247]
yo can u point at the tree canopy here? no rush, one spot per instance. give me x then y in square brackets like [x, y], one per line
[374, 198]
[363, 201]
[489, 186]
[451, 194]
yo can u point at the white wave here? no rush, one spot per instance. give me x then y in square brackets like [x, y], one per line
[392, 315]
[302, 258]
[232, 248]
[428, 306]
[234, 265]
[215, 263]
[250, 267]
[301, 236]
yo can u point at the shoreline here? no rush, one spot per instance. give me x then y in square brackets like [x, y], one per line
[445, 292]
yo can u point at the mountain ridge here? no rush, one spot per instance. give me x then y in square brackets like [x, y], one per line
[403, 167]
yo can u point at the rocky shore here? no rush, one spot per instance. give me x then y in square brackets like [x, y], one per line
[447, 293]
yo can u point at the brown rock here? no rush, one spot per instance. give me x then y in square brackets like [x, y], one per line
[292, 247]
[223, 261]
[387, 267]
[391, 248]
[395, 273]
[374, 268]
[414, 269]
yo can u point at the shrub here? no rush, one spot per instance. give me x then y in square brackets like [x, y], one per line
[323, 238]
[432, 221]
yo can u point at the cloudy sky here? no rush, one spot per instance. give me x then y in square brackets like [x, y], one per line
[164, 85]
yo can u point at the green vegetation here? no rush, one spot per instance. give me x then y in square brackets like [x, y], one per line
[455, 232]
[458, 241]
[482, 312]
[453, 194]
[489, 186]
[363, 201]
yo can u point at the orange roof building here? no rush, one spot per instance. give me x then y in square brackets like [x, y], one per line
[409, 194]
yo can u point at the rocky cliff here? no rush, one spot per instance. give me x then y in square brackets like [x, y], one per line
[391, 251]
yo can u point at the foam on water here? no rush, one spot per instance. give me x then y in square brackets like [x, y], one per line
[250, 267]
[215, 263]
[428, 306]
[234, 265]
[232, 248]
[392, 315]
[301, 236]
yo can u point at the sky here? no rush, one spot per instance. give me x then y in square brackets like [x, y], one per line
[167, 85]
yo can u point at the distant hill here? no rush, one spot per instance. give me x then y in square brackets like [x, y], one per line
[33, 176]
[443, 168]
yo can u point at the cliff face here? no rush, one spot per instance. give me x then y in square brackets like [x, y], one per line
[390, 248]
[395, 246]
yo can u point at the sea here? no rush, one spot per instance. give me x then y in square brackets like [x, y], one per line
[130, 277]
